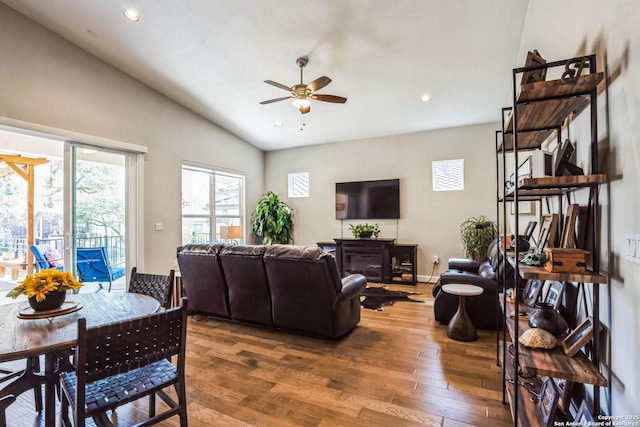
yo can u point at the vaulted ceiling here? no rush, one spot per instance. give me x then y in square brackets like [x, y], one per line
[212, 56]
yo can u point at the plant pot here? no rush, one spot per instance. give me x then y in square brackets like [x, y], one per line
[365, 235]
[544, 316]
[53, 300]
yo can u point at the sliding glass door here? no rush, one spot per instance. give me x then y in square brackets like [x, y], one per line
[98, 223]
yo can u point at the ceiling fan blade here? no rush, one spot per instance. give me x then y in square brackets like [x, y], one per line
[329, 98]
[318, 83]
[276, 84]
[269, 101]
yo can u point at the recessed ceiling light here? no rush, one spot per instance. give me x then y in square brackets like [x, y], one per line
[131, 15]
[278, 124]
[425, 98]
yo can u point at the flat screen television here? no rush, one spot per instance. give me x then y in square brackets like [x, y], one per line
[368, 199]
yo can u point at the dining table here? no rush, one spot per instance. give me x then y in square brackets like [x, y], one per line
[26, 335]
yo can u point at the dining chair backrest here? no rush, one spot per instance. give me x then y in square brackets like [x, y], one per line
[158, 286]
[132, 356]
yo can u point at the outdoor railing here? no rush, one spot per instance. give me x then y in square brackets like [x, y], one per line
[115, 246]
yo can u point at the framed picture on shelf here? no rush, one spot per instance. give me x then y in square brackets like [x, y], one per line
[569, 227]
[578, 337]
[531, 292]
[528, 232]
[534, 58]
[524, 208]
[548, 401]
[554, 294]
[564, 388]
[547, 231]
[583, 416]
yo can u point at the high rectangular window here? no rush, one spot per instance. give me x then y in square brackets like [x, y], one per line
[448, 175]
[299, 184]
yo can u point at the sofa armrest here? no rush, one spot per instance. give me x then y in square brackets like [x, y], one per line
[464, 264]
[352, 286]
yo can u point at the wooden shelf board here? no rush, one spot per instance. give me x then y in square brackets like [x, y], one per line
[527, 140]
[556, 88]
[532, 195]
[536, 188]
[553, 363]
[574, 181]
[534, 272]
[543, 107]
[549, 114]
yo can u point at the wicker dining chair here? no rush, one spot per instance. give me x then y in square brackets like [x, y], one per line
[157, 286]
[120, 362]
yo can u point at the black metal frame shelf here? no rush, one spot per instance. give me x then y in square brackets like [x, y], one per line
[539, 113]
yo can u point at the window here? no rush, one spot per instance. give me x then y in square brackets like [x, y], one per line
[212, 206]
[299, 184]
[448, 175]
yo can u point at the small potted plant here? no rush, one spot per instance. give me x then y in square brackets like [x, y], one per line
[364, 231]
[476, 235]
[47, 289]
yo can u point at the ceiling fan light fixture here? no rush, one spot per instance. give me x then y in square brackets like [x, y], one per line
[131, 15]
[301, 102]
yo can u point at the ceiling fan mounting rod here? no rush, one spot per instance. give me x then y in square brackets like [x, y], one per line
[302, 62]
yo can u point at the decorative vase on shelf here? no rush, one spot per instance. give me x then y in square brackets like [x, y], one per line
[544, 316]
[53, 301]
[365, 234]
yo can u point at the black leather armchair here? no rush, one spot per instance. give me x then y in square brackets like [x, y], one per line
[483, 309]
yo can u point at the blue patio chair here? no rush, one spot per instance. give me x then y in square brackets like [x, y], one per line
[43, 261]
[93, 266]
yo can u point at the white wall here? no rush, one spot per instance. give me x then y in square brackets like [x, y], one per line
[611, 30]
[430, 219]
[48, 81]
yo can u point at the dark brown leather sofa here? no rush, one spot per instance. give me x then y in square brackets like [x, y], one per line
[291, 288]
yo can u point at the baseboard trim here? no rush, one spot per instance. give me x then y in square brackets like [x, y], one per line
[428, 279]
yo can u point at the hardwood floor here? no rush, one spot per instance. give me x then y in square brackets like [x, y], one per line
[397, 368]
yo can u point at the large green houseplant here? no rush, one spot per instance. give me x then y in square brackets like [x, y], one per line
[476, 235]
[272, 220]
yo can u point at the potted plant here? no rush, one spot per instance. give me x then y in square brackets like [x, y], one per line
[364, 231]
[476, 235]
[47, 289]
[272, 220]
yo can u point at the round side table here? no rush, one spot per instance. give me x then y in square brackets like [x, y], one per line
[461, 328]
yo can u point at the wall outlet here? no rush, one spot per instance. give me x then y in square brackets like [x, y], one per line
[436, 260]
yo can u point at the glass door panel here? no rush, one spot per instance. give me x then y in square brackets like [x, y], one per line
[98, 211]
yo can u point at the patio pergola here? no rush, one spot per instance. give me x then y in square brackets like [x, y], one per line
[25, 167]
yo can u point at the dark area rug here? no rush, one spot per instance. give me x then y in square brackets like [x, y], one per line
[375, 298]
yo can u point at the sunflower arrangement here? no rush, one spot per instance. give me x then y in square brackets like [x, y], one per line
[45, 282]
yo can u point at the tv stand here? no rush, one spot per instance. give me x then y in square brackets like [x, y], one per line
[379, 260]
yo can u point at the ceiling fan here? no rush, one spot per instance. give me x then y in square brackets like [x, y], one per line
[302, 94]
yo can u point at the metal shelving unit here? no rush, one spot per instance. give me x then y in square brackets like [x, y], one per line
[540, 111]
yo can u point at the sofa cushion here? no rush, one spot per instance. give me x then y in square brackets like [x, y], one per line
[304, 284]
[202, 278]
[249, 294]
